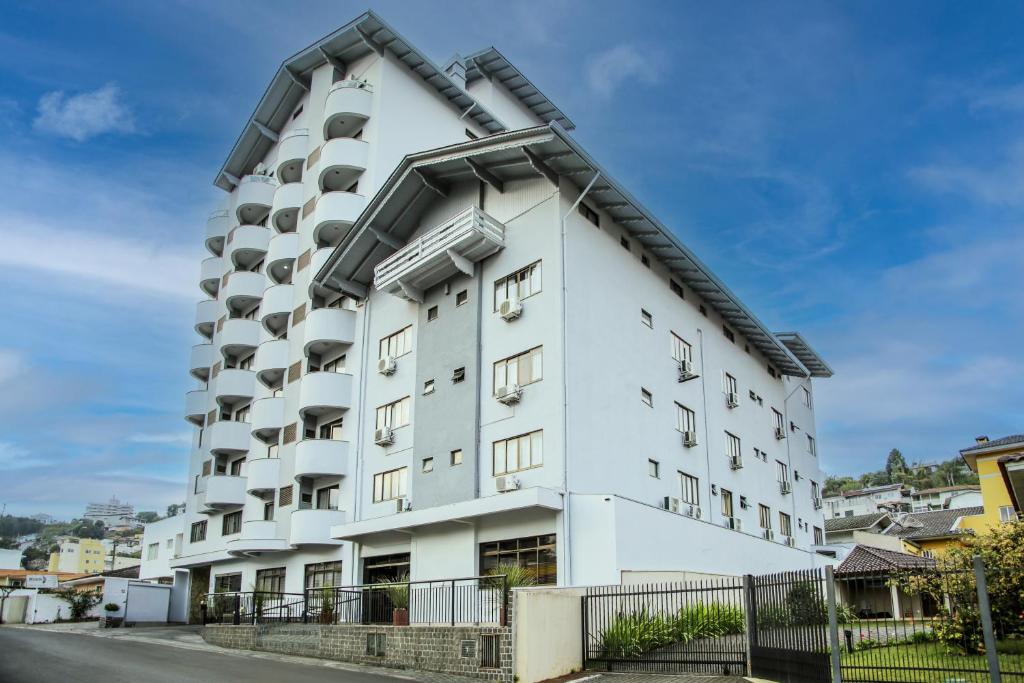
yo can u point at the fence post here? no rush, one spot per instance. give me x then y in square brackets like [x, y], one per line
[504, 600]
[202, 611]
[453, 602]
[305, 606]
[237, 617]
[986, 620]
[833, 625]
[748, 599]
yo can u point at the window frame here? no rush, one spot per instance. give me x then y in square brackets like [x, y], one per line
[533, 438]
[689, 484]
[385, 416]
[527, 274]
[395, 341]
[396, 481]
[530, 356]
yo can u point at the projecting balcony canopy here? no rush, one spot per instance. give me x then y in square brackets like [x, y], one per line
[228, 437]
[536, 498]
[196, 403]
[327, 327]
[281, 255]
[291, 155]
[243, 289]
[238, 336]
[313, 527]
[233, 385]
[210, 272]
[267, 416]
[342, 160]
[321, 458]
[323, 392]
[284, 215]
[258, 536]
[453, 247]
[278, 302]
[347, 108]
[247, 244]
[392, 216]
[271, 361]
[261, 474]
[200, 361]
[255, 197]
[224, 491]
[217, 226]
[207, 312]
[335, 213]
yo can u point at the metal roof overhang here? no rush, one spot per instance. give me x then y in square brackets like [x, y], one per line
[391, 217]
[367, 33]
[805, 354]
[492, 64]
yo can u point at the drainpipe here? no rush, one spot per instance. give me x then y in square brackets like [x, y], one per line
[707, 434]
[565, 391]
[357, 507]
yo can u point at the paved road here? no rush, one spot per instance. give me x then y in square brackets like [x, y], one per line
[39, 656]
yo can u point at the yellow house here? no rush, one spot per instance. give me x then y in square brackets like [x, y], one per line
[935, 531]
[78, 555]
[1000, 467]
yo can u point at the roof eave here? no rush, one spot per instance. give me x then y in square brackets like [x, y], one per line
[472, 62]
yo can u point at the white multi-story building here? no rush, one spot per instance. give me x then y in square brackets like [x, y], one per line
[883, 498]
[113, 513]
[439, 337]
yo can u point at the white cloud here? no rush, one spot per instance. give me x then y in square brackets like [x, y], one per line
[999, 184]
[84, 115]
[13, 457]
[176, 438]
[615, 66]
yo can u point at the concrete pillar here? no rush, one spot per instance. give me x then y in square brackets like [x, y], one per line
[894, 594]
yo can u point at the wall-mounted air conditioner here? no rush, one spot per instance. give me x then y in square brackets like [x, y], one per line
[505, 484]
[387, 365]
[692, 511]
[510, 309]
[734, 523]
[403, 505]
[780, 433]
[790, 541]
[689, 439]
[768, 534]
[732, 399]
[686, 372]
[785, 487]
[384, 436]
[736, 462]
[671, 504]
[509, 394]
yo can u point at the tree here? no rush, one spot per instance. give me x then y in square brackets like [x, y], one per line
[85, 528]
[8, 544]
[896, 467]
[147, 517]
[12, 527]
[80, 602]
[34, 557]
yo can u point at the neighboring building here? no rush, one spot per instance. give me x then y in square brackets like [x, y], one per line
[94, 583]
[946, 497]
[43, 518]
[861, 583]
[161, 543]
[934, 532]
[432, 362]
[843, 534]
[889, 497]
[174, 510]
[79, 555]
[10, 559]
[17, 577]
[999, 465]
[120, 562]
[114, 514]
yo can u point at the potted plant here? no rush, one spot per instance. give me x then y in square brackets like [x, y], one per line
[515, 577]
[398, 595]
[111, 621]
[326, 606]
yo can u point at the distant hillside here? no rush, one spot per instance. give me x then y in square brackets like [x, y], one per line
[897, 471]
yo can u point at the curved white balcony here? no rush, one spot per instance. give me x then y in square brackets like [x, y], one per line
[291, 155]
[323, 392]
[210, 272]
[262, 474]
[326, 327]
[348, 105]
[217, 226]
[227, 437]
[281, 255]
[313, 527]
[223, 491]
[243, 289]
[233, 384]
[258, 536]
[239, 335]
[319, 259]
[207, 312]
[271, 362]
[342, 160]
[267, 416]
[321, 458]
[278, 302]
[196, 403]
[255, 197]
[200, 361]
[284, 215]
[247, 244]
[335, 213]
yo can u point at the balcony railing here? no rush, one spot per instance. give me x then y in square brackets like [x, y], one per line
[470, 236]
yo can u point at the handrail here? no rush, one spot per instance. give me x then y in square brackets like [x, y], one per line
[219, 213]
[350, 83]
[295, 132]
[257, 179]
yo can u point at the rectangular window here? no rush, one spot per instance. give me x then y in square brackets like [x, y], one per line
[332, 429]
[785, 524]
[227, 583]
[732, 446]
[462, 297]
[456, 457]
[432, 314]
[270, 580]
[1007, 513]
[646, 318]
[518, 453]
[819, 536]
[779, 423]
[676, 288]
[458, 375]
[726, 497]
[152, 551]
[522, 369]
[646, 397]
[730, 385]
[336, 365]
[376, 644]
[394, 415]
[764, 513]
[806, 396]
[428, 387]
[389, 485]
[323, 574]
[536, 553]
[690, 489]
[268, 511]
[728, 334]
[654, 469]
[328, 497]
[681, 349]
[198, 532]
[397, 344]
[490, 651]
[625, 243]
[781, 471]
[521, 284]
[686, 419]
[589, 214]
[812, 447]
[814, 490]
[231, 523]
[428, 465]
[236, 467]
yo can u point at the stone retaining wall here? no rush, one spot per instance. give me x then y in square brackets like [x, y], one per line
[443, 649]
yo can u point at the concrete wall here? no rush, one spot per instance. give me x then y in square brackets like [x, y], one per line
[546, 630]
[424, 648]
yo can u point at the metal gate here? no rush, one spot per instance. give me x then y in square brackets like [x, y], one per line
[694, 627]
[787, 620]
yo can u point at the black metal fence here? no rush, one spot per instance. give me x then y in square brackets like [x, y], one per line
[696, 627]
[477, 600]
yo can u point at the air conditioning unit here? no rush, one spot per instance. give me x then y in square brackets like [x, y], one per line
[692, 511]
[506, 484]
[403, 505]
[689, 439]
[736, 462]
[780, 433]
[509, 394]
[387, 365]
[768, 534]
[785, 487]
[510, 309]
[734, 523]
[790, 541]
[732, 399]
[686, 372]
[671, 504]
[817, 503]
[384, 436]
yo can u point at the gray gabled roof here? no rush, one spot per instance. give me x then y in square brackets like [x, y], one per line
[543, 150]
[1011, 440]
[366, 34]
[916, 526]
[802, 350]
[492, 64]
[856, 522]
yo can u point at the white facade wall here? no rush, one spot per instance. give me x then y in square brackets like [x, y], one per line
[167, 535]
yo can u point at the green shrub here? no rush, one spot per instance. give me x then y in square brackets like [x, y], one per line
[707, 621]
[867, 644]
[921, 637]
[631, 635]
[397, 591]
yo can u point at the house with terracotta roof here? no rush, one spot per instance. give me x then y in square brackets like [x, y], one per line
[862, 582]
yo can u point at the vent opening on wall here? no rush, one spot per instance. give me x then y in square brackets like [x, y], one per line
[490, 652]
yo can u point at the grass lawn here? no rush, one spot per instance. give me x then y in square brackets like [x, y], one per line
[897, 664]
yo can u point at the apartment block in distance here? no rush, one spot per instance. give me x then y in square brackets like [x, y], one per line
[79, 556]
[438, 336]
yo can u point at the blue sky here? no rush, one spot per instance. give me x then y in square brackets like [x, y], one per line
[853, 170]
